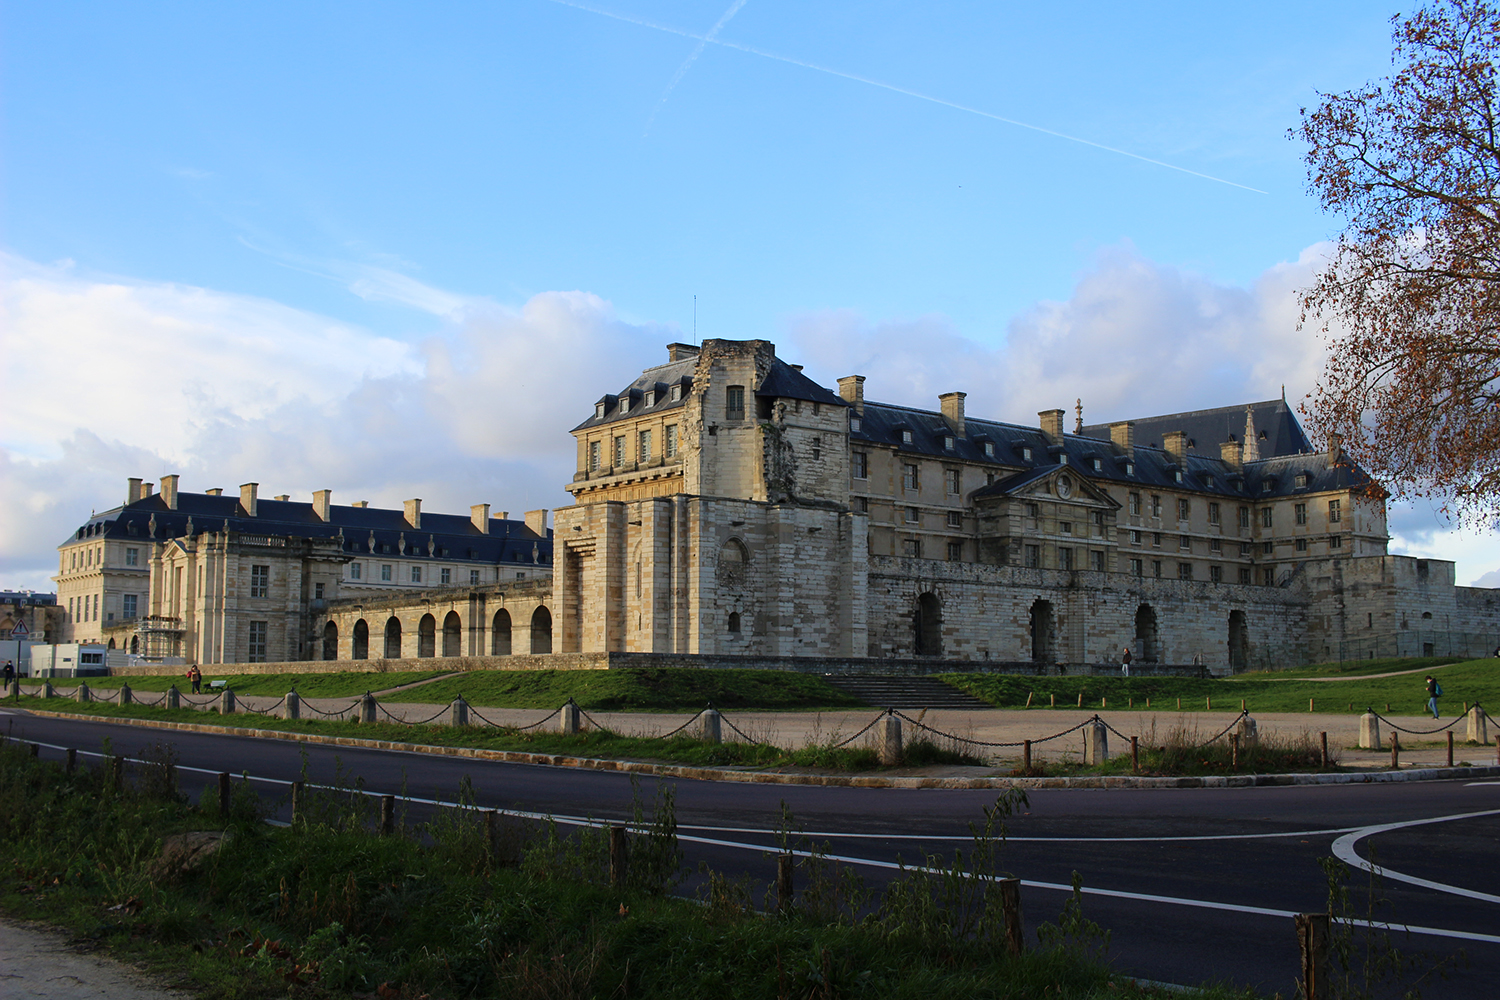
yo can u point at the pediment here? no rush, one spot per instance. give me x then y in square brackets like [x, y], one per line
[1060, 484]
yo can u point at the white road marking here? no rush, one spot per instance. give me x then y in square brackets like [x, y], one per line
[1343, 849]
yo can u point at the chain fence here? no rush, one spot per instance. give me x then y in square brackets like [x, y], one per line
[1419, 732]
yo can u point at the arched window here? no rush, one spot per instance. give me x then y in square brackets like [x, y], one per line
[1147, 635]
[733, 563]
[452, 634]
[734, 621]
[393, 638]
[541, 630]
[361, 640]
[927, 626]
[427, 636]
[330, 641]
[500, 634]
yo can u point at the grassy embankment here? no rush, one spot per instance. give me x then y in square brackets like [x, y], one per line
[326, 908]
[344, 684]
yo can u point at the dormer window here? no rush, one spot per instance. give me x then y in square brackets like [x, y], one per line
[948, 442]
[1025, 454]
[598, 411]
[1301, 480]
[906, 437]
[1129, 468]
[1177, 476]
[624, 404]
[649, 398]
[989, 449]
[676, 392]
[1267, 485]
[1098, 464]
[854, 424]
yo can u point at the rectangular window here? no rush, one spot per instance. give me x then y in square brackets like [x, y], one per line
[1245, 575]
[1032, 510]
[1098, 518]
[1033, 556]
[1335, 511]
[132, 557]
[594, 456]
[256, 651]
[385, 571]
[1066, 527]
[1244, 548]
[1267, 548]
[354, 571]
[416, 574]
[128, 605]
[862, 504]
[1135, 538]
[1268, 576]
[447, 575]
[1335, 541]
[1135, 504]
[951, 479]
[955, 519]
[1216, 574]
[911, 478]
[1155, 505]
[1184, 542]
[1244, 517]
[643, 446]
[1301, 545]
[911, 547]
[734, 402]
[1156, 538]
[260, 581]
[671, 440]
[1156, 568]
[861, 464]
[1184, 508]
[317, 591]
[1184, 571]
[1137, 568]
[1096, 561]
[1300, 512]
[912, 515]
[1265, 517]
[955, 551]
[619, 451]
[1215, 545]
[473, 577]
[1064, 558]
[1213, 513]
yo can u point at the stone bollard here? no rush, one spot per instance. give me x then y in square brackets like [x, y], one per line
[367, 708]
[888, 732]
[125, 694]
[459, 715]
[174, 698]
[226, 702]
[292, 709]
[712, 733]
[83, 694]
[568, 718]
[1369, 732]
[47, 691]
[1479, 729]
[1249, 732]
[1095, 743]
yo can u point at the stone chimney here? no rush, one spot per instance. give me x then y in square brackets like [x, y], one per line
[1052, 425]
[505, 515]
[169, 491]
[1335, 449]
[1252, 441]
[952, 404]
[248, 494]
[283, 497]
[413, 512]
[215, 492]
[680, 352]
[147, 489]
[1176, 444]
[323, 504]
[1122, 433]
[132, 491]
[480, 515]
[361, 504]
[852, 389]
[1233, 454]
[536, 522]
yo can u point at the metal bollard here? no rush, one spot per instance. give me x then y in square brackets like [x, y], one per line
[293, 707]
[785, 865]
[712, 731]
[619, 857]
[1010, 904]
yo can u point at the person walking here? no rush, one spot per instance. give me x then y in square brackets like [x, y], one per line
[1434, 692]
[1125, 662]
[10, 672]
[196, 676]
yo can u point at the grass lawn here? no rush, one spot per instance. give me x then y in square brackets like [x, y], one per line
[1471, 681]
[1357, 668]
[348, 683]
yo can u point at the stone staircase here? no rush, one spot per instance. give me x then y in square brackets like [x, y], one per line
[905, 692]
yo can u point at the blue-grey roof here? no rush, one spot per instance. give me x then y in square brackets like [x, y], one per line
[1276, 428]
[658, 381]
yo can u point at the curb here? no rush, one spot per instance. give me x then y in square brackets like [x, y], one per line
[827, 780]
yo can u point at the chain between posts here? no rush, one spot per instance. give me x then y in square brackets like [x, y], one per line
[329, 715]
[441, 712]
[1213, 739]
[1416, 732]
[262, 711]
[753, 741]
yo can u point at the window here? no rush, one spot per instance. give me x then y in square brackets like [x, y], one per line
[855, 423]
[619, 452]
[1033, 556]
[947, 442]
[1137, 568]
[1135, 538]
[1064, 558]
[671, 440]
[955, 519]
[734, 621]
[354, 571]
[1155, 505]
[447, 575]
[1097, 464]
[1268, 548]
[473, 577]
[1216, 574]
[1213, 513]
[1177, 476]
[385, 572]
[955, 551]
[676, 392]
[1215, 545]
[1335, 511]
[71, 614]
[1245, 574]
[1300, 512]
[643, 446]
[911, 547]
[1335, 541]
[1244, 517]
[1156, 568]
[1156, 538]
[1099, 519]
[1066, 527]
[1244, 548]
[416, 574]
[593, 456]
[1032, 510]
[1025, 454]
[862, 504]
[1300, 480]
[734, 402]
[1184, 508]
[1265, 517]
[625, 404]
[598, 411]
[1267, 485]
[906, 437]
[1135, 504]
[1301, 545]
[1184, 571]
[260, 581]
[1096, 561]
[128, 605]
[132, 557]
[1268, 576]
[910, 477]
[317, 591]
[951, 479]
[912, 515]
[861, 465]
[257, 645]
[989, 449]
[1184, 541]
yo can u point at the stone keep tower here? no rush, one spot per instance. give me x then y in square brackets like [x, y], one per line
[712, 514]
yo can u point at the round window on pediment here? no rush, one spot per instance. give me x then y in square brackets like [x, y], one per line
[1064, 486]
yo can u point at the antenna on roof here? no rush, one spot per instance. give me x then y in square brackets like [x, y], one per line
[695, 327]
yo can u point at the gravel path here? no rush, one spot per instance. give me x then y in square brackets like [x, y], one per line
[39, 962]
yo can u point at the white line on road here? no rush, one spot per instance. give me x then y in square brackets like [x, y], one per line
[1344, 850]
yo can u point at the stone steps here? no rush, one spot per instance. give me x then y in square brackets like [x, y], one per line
[905, 692]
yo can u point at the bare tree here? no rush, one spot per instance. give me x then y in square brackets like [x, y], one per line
[1410, 303]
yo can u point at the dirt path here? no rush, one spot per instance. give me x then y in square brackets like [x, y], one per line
[415, 684]
[38, 962]
[1366, 677]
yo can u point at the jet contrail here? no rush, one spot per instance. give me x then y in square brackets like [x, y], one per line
[707, 40]
[713, 33]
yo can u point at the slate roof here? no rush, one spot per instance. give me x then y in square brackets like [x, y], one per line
[1207, 429]
[454, 536]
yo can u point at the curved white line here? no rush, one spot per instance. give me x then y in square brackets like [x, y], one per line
[1343, 849]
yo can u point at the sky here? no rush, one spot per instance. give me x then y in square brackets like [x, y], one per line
[397, 250]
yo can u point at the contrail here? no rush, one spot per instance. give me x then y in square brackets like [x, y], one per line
[708, 40]
[713, 32]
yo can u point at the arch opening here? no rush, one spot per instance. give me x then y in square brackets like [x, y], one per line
[393, 638]
[453, 634]
[1239, 642]
[361, 649]
[500, 634]
[135, 644]
[1147, 635]
[541, 630]
[927, 626]
[734, 622]
[1043, 632]
[330, 641]
[427, 636]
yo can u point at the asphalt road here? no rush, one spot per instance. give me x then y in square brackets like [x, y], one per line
[1194, 884]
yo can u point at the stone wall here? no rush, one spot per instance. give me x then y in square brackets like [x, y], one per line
[486, 622]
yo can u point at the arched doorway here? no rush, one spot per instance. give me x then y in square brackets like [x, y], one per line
[541, 630]
[1147, 638]
[135, 644]
[453, 636]
[927, 626]
[1239, 642]
[330, 641]
[500, 634]
[111, 643]
[361, 640]
[393, 638]
[1043, 632]
[427, 636]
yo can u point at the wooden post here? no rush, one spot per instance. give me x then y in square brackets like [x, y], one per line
[387, 815]
[1080, 699]
[1208, 703]
[224, 795]
[1010, 904]
[72, 765]
[1323, 759]
[1104, 702]
[1135, 754]
[492, 835]
[117, 773]
[785, 864]
[1234, 750]
[1395, 750]
[619, 857]
[1309, 704]
[298, 788]
[1312, 939]
[1054, 701]
[1025, 756]
[1450, 748]
[36, 751]
[1179, 704]
[1029, 695]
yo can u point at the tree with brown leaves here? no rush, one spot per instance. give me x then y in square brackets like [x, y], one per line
[1410, 302]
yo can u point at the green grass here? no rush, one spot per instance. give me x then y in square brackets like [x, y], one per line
[1355, 668]
[1471, 681]
[344, 684]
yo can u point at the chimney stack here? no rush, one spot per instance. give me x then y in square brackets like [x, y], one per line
[132, 491]
[1122, 433]
[852, 389]
[413, 512]
[680, 352]
[1233, 454]
[480, 515]
[1176, 445]
[1335, 449]
[248, 494]
[1052, 425]
[323, 505]
[536, 522]
[361, 504]
[952, 404]
[215, 492]
[283, 497]
[169, 491]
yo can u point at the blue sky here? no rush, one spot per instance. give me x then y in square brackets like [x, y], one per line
[397, 249]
